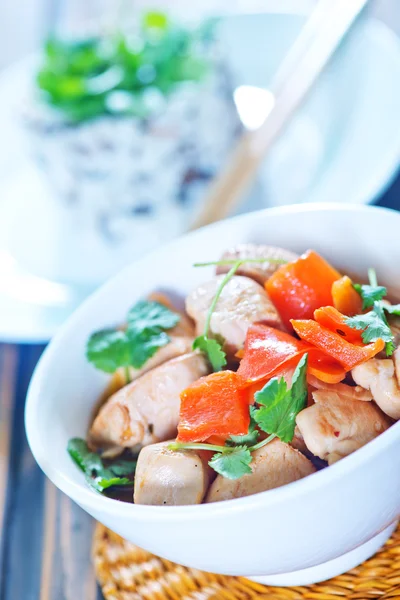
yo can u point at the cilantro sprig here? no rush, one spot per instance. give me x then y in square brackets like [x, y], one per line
[147, 321]
[275, 415]
[374, 323]
[280, 405]
[113, 74]
[211, 347]
[99, 476]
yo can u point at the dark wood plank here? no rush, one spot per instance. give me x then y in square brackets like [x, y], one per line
[45, 539]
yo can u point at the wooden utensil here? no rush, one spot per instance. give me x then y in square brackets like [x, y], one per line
[315, 45]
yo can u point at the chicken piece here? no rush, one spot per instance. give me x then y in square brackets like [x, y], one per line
[273, 465]
[147, 410]
[242, 302]
[381, 377]
[171, 477]
[351, 392]
[260, 272]
[335, 427]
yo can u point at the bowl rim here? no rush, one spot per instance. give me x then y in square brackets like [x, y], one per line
[80, 491]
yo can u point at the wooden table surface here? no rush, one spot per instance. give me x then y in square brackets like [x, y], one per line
[45, 538]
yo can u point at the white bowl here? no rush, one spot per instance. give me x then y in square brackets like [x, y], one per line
[301, 533]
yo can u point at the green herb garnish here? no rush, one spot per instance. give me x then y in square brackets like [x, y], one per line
[374, 324]
[99, 476]
[110, 75]
[279, 407]
[111, 349]
[249, 439]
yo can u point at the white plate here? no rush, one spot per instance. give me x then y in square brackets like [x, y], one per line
[352, 155]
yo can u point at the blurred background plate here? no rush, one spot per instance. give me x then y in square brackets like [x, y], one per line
[341, 147]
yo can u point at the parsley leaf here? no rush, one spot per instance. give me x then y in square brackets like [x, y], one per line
[110, 349]
[370, 294]
[280, 405]
[102, 483]
[97, 475]
[123, 467]
[89, 462]
[213, 351]
[374, 326]
[149, 314]
[392, 309]
[232, 463]
[249, 439]
[144, 344]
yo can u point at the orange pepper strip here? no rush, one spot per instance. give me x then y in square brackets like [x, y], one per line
[299, 287]
[347, 354]
[328, 371]
[217, 404]
[345, 298]
[332, 319]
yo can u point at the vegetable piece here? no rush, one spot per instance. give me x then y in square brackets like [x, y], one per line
[249, 439]
[267, 351]
[147, 314]
[108, 74]
[332, 319]
[212, 349]
[324, 368]
[278, 412]
[111, 349]
[214, 405]
[374, 324]
[302, 286]
[99, 476]
[347, 354]
[232, 464]
[345, 297]
[280, 405]
[370, 293]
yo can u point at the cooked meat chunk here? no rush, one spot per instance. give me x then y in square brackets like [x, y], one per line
[336, 426]
[380, 376]
[352, 392]
[273, 465]
[260, 272]
[170, 477]
[147, 410]
[242, 302]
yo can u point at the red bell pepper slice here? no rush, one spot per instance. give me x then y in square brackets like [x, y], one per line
[215, 405]
[345, 298]
[332, 319]
[334, 345]
[268, 351]
[300, 287]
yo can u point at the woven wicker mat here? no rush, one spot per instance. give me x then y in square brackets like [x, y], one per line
[126, 572]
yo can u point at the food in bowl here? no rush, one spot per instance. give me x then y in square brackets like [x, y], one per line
[279, 367]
